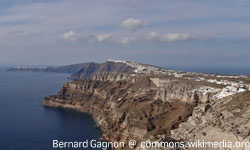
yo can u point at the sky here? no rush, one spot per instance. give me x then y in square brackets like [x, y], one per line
[160, 32]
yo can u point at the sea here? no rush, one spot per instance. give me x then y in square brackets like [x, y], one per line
[25, 124]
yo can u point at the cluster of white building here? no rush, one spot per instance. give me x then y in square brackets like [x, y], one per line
[228, 91]
[220, 93]
[231, 88]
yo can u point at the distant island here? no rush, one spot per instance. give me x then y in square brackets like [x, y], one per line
[131, 100]
[79, 71]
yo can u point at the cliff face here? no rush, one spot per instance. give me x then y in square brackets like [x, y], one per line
[169, 89]
[143, 102]
[128, 105]
[92, 69]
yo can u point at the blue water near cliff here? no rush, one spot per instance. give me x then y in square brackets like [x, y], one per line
[26, 125]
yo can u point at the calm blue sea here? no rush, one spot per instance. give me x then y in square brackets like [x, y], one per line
[26, 125]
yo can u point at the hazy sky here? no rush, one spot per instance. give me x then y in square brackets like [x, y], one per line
[161, 32]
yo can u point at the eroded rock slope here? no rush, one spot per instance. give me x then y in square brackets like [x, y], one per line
[144, 102]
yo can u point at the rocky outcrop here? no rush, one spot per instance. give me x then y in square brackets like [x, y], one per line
[173, 88]
[112, 76]
[227, 119]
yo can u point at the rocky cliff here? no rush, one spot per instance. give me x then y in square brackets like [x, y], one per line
[227, 119]
[128, 107]
[149, 103]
